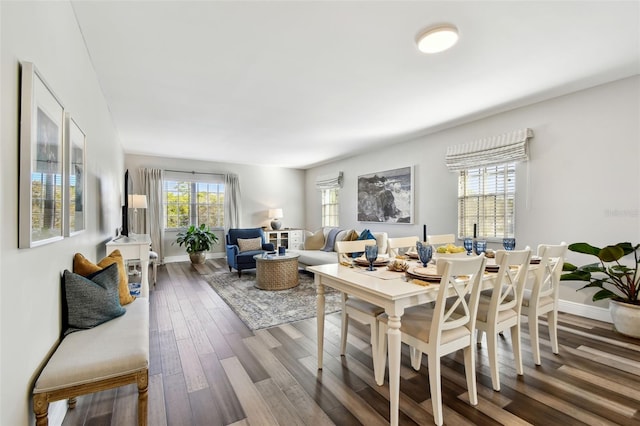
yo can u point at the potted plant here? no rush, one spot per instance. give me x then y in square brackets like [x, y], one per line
[197, 241]
[619, 282]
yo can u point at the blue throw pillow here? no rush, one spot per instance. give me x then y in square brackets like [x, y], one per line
[364, 235]
[92, 300]
[331, 239]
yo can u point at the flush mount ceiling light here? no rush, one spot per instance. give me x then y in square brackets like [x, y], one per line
[437, 39]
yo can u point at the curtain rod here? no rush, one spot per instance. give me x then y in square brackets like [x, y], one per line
[193, 172]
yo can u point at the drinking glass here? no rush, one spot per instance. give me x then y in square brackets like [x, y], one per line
[425, 252]
[468, 245]
[481, 247]
[371, 253]
[509, 243]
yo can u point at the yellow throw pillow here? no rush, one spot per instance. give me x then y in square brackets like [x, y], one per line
[351, 236]
[250, 244]
[315, 241]
[82, 266]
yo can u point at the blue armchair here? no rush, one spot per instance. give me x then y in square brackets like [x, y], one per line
[240, 260]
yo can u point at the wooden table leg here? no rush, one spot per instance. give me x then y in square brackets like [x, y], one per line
[394, 339]
[320, 315]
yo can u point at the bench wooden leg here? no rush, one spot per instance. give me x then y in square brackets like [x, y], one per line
[143, 386]
[41, 409]
[71, 403]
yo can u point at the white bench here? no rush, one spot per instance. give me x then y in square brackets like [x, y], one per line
[113, 354]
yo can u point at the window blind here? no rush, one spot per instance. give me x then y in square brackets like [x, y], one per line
[332, 181]
[509, 147]
[486, 198]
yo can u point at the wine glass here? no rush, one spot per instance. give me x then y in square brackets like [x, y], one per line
[509, 243]
[425, 252]
[371, 253]
[481, 246]
[468, 245]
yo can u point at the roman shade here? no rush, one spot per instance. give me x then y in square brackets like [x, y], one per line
[331, 181]
[505, 148]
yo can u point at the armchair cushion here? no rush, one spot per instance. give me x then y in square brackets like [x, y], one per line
[246, 244]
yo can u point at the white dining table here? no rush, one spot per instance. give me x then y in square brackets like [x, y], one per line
[394, 295]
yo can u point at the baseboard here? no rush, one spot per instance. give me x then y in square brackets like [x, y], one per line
[185, 258]
[587, 311]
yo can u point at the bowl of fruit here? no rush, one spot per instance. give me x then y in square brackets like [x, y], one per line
[449, 250]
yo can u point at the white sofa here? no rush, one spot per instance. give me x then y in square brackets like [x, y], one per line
[320, 257]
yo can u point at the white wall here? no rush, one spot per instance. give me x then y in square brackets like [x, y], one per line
[46, 34]
[581, 183]
[261, 188]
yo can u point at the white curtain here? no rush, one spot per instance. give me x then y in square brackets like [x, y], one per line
[232, 201]
[509, 147]
[151, 185]
[330, 181]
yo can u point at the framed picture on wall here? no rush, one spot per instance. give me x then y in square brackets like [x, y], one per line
[41, 200]
[75, 181]
[386, 197]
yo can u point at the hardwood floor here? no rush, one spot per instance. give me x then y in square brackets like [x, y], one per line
[208, 368]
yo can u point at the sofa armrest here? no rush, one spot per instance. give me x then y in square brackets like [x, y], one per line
[268, 246]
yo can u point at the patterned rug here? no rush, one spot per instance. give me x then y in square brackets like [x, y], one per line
[262, 309]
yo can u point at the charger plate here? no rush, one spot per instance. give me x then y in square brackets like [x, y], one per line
[427, 274]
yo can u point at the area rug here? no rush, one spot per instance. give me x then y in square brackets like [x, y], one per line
[261, 308]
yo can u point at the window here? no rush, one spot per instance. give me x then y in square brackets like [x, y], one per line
[330, 207]
[193, 201]
[486, 197]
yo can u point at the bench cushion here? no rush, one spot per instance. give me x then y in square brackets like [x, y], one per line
[113, 348]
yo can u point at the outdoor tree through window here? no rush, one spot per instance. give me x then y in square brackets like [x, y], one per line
[193, 202]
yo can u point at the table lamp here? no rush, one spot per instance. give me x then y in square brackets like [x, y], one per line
[137, 201]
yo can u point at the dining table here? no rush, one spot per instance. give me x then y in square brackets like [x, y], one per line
[393, 291]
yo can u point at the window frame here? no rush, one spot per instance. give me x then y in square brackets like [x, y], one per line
[213, 184]
[487, 197]
[327, 205]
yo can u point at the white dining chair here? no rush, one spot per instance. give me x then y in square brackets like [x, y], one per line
[441, 330]
[354, 308]
[543, 297]
[395, 244]
[499, 308]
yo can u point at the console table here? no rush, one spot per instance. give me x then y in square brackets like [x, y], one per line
[135, 247]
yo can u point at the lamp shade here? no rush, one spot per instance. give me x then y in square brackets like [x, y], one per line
[275, 213]
[137, 201]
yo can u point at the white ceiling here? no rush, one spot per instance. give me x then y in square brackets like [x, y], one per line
[299, 83]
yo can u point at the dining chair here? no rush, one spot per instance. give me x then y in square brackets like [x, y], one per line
[441, 330]
[499, 308]
[543, 297]
[395, 244]
[355, 308]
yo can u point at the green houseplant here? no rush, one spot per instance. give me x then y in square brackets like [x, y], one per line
[617, 281]
[197, 240]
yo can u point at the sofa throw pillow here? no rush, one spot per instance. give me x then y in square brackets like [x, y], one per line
[91, 300]
[364, 235]
[315, 241]
[250, 244]
[84, 267]
[331, 239]
[351, 236]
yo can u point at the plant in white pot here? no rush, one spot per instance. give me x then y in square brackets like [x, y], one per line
[197, 240]
[618, 281]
